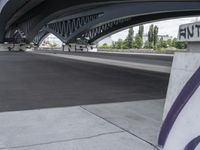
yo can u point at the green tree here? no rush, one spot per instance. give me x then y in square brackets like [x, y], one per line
[179, 45]
[169, 42]
[113, 45]
[162, 43]
[125, 44]
[155, 37]
[129, 38]
[105, 46]
[151, 36]
[146, 44]
[138, 41]
[141, 31]
[119, 44]
[174, 42]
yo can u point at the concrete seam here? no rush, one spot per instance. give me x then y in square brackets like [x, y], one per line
[62, 141]
[123, 129]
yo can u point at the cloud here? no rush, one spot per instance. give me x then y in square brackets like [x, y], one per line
[167, 27]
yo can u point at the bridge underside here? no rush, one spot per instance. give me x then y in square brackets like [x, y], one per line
[32, 22]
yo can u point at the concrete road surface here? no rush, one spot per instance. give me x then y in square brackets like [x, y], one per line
[30, 81]
[154, 59]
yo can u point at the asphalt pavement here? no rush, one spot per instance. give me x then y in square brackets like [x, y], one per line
[30, 81]
[154, 59]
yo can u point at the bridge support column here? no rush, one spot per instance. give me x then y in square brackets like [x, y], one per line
[73, 47]
[66, 47]
[14, 47]
[3, 47]
[181, 120]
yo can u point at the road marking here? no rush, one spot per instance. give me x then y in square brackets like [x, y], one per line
[125, 64]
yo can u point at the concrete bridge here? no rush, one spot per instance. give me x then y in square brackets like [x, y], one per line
[85, 22]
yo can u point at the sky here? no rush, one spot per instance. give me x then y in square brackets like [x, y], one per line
[167, 27]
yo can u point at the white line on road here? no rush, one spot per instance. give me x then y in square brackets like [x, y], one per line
[125, 64]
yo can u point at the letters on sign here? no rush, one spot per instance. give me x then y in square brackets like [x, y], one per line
[189, 32]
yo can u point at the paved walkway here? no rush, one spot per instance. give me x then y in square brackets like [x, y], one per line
[118, 126]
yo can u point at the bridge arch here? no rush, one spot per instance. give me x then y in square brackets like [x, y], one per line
[97, 35]
[111, 12]
[40, 37]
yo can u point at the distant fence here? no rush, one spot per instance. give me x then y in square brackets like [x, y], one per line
[141, 50]
[127, 50]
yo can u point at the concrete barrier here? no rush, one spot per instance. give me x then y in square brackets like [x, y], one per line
[181, 119]
[14, 47]
[72, 47]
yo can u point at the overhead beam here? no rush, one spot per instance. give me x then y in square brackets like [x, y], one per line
[40, 37]
[134, 21]
[155, 10]
[64, 9]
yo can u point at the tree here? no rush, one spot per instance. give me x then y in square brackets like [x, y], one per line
[146, 44]
[105, 46]
[141, 31]
[138, 41]
[162, 43]
[174, 42]
[130, 37]
[113, 45]
[139, 38]
[179, 45]
[169, 43]
[119, 44]
[125, 44]
[151, 36]
[155, 37]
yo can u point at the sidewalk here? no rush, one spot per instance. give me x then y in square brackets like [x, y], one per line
[115, 126]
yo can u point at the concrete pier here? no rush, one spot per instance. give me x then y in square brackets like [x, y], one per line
[73, 47]
[181, 119]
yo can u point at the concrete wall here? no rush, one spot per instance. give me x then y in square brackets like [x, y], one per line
[78, 47]
[16, 47]
[3, 47]
[187, 125]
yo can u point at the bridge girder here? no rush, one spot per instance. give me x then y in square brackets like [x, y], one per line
[130, 14]
[40, 37]
[41, 16]
[35, 20]
[12, 9]
[63, 29]
[98, 33]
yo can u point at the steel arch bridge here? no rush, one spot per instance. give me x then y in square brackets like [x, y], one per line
[88, 21]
